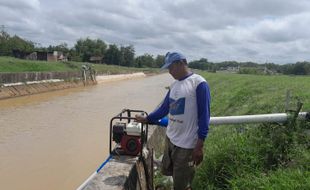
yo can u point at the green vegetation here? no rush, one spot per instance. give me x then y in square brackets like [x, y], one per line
[298, 68]
[98, 51]
[84, 50]
[234, 94]
[264, 156]
[8, 43]
[9, 64]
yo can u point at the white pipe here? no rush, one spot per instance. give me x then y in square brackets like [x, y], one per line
[261, 118]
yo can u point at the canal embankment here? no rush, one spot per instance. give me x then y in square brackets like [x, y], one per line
[23, 84]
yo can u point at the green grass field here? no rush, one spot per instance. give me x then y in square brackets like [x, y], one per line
[262, 156]
[10, 64]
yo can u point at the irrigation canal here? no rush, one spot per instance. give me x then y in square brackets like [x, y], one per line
[55, 140]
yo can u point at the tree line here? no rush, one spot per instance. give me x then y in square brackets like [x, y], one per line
[85, 48]
[298, 68]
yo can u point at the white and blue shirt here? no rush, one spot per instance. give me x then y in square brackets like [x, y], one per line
[187, 105]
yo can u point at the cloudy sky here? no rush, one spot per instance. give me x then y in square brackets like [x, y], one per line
[243, 30]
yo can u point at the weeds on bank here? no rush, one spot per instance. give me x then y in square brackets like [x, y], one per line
[162, 182]
[261, 157]
[265, 156]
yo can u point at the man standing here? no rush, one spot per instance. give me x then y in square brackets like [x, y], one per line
[187, 105]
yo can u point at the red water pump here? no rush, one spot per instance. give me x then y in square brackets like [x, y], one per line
[127, 135]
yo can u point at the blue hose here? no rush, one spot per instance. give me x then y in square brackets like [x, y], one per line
[104, 163]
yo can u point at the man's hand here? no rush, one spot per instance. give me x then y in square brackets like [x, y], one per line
[141, 119]
[198, 152]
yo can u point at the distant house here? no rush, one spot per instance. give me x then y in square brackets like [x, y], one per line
[31, 56]
[268, 71]
[45, 56]
[61, 56]
[96, 59]
[20, 54]
[40, 55]
[49, 56]
[233, 69]
[230, 69]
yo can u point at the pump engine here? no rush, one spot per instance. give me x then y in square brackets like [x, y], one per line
[129, 135]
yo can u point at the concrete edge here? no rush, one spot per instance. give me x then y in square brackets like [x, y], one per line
[121, 173]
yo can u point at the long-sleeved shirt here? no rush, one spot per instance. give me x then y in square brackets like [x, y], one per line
[188, 105]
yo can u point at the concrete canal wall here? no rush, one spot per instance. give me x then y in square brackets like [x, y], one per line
[6, 78]
[29, 89]
[18, 88]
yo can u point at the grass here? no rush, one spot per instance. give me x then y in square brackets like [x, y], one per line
[264, 156]
[234, 94]
[10, 64]
[288, 179]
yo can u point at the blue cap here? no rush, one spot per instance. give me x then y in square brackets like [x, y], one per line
[171, 58]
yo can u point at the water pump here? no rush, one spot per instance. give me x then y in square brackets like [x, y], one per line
[127, 135]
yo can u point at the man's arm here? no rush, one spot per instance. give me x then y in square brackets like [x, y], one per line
[203, 106]
[157, 114]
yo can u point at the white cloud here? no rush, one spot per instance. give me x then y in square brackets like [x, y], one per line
[242, 30]
[20, 4]
[289, 28]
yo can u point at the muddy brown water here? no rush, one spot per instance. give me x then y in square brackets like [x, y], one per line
[55, 140]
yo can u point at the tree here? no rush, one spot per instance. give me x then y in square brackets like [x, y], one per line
[301, 68]
[8, 44]
[145, 60]
[113, 55]
[63, 47]
[127, 56]
[4, 38]
[18, 43]
[202, 64]
[85, 48]
[159, 61]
